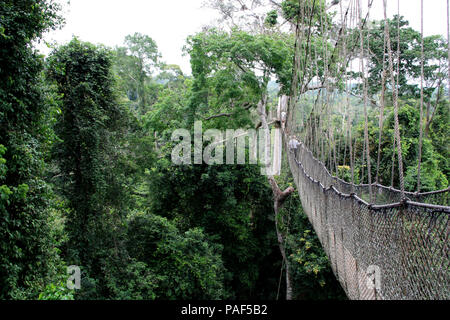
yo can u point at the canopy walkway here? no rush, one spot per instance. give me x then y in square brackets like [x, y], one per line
[382, 243]
[407, 240]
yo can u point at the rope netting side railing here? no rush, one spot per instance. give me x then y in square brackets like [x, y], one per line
[382, 194]
[405, 242]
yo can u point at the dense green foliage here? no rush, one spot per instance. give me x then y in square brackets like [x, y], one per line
[232, 205]
[27, 257]
[176, 265]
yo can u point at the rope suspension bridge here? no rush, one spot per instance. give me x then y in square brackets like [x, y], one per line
[402, 235]
[407, 240]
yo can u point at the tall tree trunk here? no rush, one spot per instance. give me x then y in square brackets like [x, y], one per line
[279, 196]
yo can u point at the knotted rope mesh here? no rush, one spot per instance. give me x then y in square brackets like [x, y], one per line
[406, 241]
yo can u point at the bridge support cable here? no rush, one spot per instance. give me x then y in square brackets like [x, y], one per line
[365, 89]
[381, 119]
[421, 97]
[448, 40]
[395, 99]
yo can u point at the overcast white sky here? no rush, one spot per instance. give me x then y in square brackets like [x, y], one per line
[435, 14]
[170, 22]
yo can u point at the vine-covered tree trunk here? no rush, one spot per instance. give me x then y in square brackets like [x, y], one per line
[279, 196]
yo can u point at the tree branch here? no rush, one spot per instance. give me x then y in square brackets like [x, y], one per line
[247, 106]
[313, 88]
